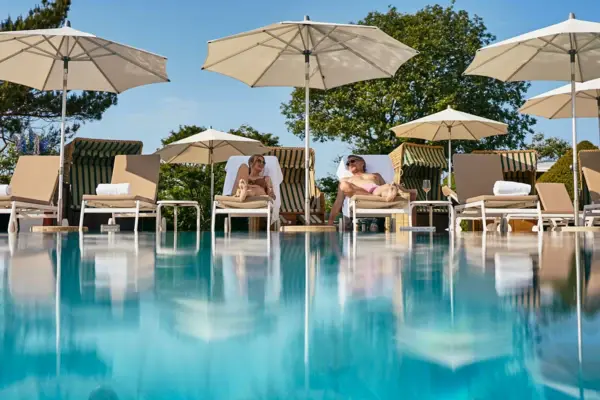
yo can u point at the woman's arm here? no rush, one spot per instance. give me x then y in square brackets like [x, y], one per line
[270, 191]
[380, 180]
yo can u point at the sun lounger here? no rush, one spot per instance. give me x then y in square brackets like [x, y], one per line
[141, 172]
[589, 162]
[475, 176]
[256, 206]
[32, 186]
[371, 206]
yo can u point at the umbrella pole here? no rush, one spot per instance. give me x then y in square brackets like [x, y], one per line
[574, 128]
[306, 137]
[449, 157]
[62, 139]
[212, 178]
[598, 100]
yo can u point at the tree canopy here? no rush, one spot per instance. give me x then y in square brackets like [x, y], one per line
[363, 113]
[192, 182]
[24, 110]
[549, 149]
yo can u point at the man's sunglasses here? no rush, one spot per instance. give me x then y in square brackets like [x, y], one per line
[352, 161]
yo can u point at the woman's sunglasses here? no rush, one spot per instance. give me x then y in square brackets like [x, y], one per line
[259, 161]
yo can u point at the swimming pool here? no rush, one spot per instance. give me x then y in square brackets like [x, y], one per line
[305, 316]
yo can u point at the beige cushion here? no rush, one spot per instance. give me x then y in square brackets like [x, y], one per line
[35, 179]
[371, 201]
[253, 202]
[476, 174]
[6, 201]
[505, 201]
[140, 171]
[554, 197]
[117, 201]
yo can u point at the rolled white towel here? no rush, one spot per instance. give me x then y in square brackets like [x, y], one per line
[506, 188]
[108, 189]
[5, 190]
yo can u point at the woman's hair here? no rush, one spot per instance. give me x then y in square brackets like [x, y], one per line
[361, 159]
[253, 159]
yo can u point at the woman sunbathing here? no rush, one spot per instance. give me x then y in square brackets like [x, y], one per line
[361, 183]
[250, 180]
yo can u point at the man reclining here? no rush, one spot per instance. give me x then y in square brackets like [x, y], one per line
[362, 183]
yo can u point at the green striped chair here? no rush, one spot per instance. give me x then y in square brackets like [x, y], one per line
[89, 162]
[414, 163]
[291, 160]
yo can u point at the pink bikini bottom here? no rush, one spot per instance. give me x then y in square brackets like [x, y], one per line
[369, 187]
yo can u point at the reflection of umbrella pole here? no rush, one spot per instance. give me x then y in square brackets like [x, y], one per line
[306, 132]
[572, 53]
[62, 134]
[579, 300]
[57, 304]
[306, 309]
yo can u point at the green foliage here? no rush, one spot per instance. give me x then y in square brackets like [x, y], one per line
[329, 187]
[192, 182]
[549, 149]
[23, 109]
[561, 170]
[363, 113]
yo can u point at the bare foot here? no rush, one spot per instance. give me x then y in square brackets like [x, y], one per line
[392, 193]
[243, 190]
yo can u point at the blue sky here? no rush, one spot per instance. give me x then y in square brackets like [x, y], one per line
[179, 30]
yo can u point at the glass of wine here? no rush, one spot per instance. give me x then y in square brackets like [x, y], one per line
[426, 188]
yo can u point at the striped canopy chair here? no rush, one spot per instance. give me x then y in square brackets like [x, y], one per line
[517, 165]
[414, 163]
[291, 160]
[89, 162]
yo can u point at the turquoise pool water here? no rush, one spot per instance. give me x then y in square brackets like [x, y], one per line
[299, 317]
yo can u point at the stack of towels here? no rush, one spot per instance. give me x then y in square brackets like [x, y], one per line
[5, 190]
[506, 188]
[113, 189]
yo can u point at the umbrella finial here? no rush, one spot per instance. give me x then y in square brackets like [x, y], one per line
[571, 15]
[306, 18]
[67, 24]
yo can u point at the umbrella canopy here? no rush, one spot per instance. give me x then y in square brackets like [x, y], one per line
[68, 59]
[209, 147]
[450, 125]
[569, 50]
[307, 54]
[557, 103]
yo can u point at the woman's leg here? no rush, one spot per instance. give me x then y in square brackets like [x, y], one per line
[240, 186]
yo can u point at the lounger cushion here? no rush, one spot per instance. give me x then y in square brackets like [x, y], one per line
[252, 202]
[117, 201]
[371, 201]
[505, 201]
[6, 201]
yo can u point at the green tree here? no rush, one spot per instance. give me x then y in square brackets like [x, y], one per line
[23, 109]
[192, 182]
[329, 187]
[549, 149]
[363, 113]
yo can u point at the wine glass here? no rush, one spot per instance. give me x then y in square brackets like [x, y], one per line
[426, 187]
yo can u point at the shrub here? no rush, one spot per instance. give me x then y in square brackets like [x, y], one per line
[561, 170]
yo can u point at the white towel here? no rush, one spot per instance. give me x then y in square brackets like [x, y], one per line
[376, 164]
[5, 190]
[506, 188]
[109, 189]
[514, 273]
[272, 170]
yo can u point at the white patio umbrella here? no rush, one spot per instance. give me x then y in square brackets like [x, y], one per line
[210, 147]
[567, 51]
[68, 59]
[556, 103]
[310, 55]
[449, 125]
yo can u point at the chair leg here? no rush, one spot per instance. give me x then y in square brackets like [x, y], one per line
[82, 213]
[137, 216]
[197, 218]
[12, 222]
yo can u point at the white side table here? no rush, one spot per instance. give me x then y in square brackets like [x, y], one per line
[431, 204]
[176, 204]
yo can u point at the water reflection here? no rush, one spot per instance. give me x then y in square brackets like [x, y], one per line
[299, 316]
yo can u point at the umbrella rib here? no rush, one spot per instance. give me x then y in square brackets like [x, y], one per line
[287, 44]
[45, 53]
[523, 65]
[390, 45]
[592, 40]
[178, 154]
[114, 53]
[20, 51]
[318, 69]
[436, 132]
[93, 61]
[52, 66]
[327, 49]
[578, 63]
[360, 56]
[237, 53]
[493, 58]
[560, 108]
[470, 133]
[323, 38]
[489, 125]
[254, 32]
[551, 43]
[275, 59]
[16, 38]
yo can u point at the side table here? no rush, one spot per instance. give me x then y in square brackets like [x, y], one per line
[431, 204]
[176, 204]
